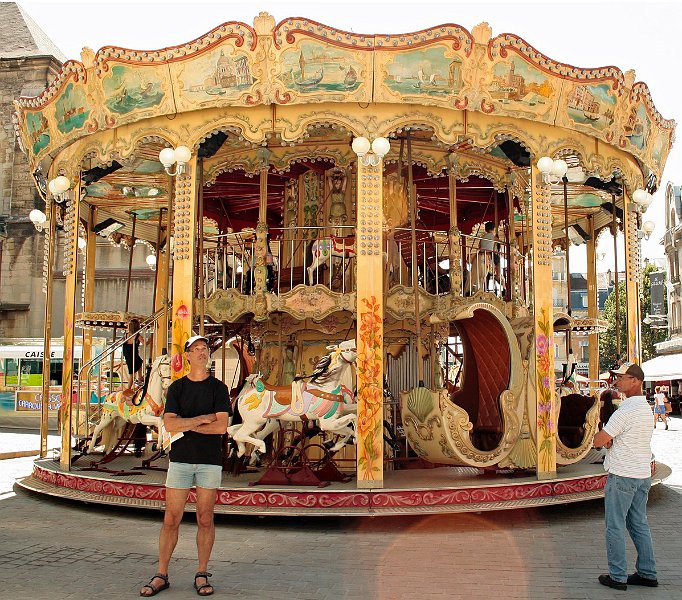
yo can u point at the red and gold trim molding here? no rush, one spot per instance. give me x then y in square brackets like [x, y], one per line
[48, 479]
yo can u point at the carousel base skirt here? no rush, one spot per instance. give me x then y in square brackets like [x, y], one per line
[412, 491]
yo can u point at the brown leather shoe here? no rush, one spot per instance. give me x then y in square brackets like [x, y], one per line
[612, 583]
[637, 579]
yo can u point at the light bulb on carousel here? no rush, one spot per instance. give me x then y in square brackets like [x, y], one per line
[379, 147]
[180, 155]
[151, 261]
[553, 171]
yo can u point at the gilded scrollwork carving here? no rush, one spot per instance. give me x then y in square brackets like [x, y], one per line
[311, 302]
[228, 305]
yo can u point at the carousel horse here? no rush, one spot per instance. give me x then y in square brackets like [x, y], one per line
[327, 398]
[325, 249]
[147, 410]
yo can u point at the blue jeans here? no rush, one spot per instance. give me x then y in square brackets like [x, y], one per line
[625, 507]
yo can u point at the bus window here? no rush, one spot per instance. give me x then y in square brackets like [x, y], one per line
[11, 371]
[56, 366]
[31, 372]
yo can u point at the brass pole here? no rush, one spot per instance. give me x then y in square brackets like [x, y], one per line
[614, 230]
[568, 271]
[130, 261]
[47, 330]
[200, 252]
[415, 290]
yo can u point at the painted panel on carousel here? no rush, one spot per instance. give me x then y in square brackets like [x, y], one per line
[323, 72]
[71, 109]
[637, 128]
[38, 128]
[221, 75]
[433, 73]
[522, 90]
[660, 148]
[130, 90]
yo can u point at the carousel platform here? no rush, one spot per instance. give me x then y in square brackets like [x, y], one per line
[412, 491]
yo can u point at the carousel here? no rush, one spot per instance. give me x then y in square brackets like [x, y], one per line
[363, 226]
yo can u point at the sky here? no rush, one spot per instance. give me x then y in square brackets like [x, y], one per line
[644, 36]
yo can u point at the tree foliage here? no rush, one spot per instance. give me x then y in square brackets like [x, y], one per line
[608, 356]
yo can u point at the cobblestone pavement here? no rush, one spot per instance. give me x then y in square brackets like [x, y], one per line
[56, 549]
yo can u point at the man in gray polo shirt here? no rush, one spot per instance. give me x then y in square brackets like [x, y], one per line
[627, 437]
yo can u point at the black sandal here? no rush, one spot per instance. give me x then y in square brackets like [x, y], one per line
[155, 590]
[200, 588]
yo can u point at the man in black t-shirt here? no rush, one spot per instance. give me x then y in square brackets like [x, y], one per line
[197, 407]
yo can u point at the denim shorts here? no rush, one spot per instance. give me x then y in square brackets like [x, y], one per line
[185, 475]
[659, 410]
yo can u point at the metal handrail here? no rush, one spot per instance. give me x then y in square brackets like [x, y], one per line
[108, 353]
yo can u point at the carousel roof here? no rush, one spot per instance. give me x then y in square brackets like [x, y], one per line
[481, 103]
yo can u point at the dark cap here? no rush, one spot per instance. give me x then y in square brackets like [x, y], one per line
[629, 368]
[194, 338]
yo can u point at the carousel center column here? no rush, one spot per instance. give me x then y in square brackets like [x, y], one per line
[370, 312]
[184, 235]
[543, 317]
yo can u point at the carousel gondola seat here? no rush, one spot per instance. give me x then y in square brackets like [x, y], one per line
[572, 418]
[486, 376]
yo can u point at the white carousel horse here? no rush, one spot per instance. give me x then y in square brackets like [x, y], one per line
[149, 411]
[326, 398]
[325, 249]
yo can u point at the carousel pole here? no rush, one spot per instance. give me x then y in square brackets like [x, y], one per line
[262, 241]
[592, 300]
[511, 246]
[633, 276]
[570, 365]
[71, 220]
[540, 235]
[614, 232]
[89, 302]
[130, 262]
[157, 275]
[163, 264]
[415, 281]
[370, 312]
[200, 246]
[185, 228]
[454, 236]
[47, 328]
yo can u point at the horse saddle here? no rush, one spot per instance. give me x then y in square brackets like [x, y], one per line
[284, 394]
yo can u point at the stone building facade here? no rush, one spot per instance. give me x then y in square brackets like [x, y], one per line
[29, 61]
[672, 242]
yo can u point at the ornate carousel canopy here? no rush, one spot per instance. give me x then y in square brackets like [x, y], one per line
[478, 105]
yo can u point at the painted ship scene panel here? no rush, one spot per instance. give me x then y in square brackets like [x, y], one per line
[520, 86]
[316, 67]
[71, 109]
[430, 72]
[38, 129]
[638, 127]
[592, 105]
[129, 89]
[219, 74]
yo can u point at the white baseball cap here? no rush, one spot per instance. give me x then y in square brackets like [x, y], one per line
[194, 338]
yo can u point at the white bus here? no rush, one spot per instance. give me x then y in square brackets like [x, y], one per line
[21, 379]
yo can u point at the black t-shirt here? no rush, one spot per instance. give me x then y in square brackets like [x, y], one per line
[187, 399]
